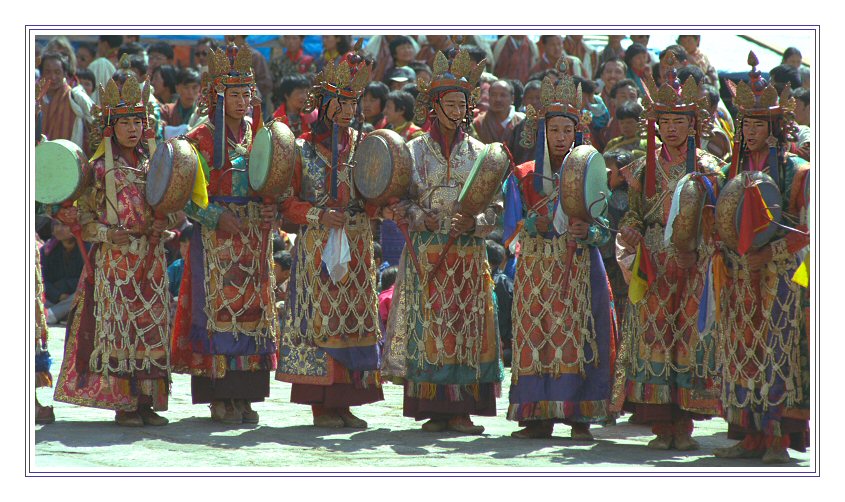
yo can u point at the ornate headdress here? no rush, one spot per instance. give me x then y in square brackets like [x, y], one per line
[558, 100]
[229, 67]
[456, 74]
[346, 79]
[759, 100]
[673, 98]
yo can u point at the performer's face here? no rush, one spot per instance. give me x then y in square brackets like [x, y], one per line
[237, 102]
[560, 135]
[341, 111]
[127, 130]
[673, 129]
[451, 109]
[755, 132]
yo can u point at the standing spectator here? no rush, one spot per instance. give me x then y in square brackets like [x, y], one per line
[679, 59]
[531, 96]
[792, 56]
[85, 53]
[160, 53]
[163, 79]
[622, 91]
[291, 93]
[372, 104]
[62, 45]
[292, 62]
[610, 72]
[107, 48]
[175, 269]
[261, 72]
[613, 50]
[65, 110]
[515, 55]
[105, 65]
[637, 59]
[785, 74]
[691, 44]
[379, 49]
[385, 296]
[574, 46]
[402, 51]
[643, 40]
[281, 268]
[503, 296]
[552, 50]
[61, 266]
[719, 142]
[500, 119]
[399, 114]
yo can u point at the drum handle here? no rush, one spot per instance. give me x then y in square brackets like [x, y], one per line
[411, 251]
[788, 229]
[598, 222]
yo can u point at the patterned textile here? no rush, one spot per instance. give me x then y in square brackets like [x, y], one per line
[765, 347]
[226, 315]
[664, 359]
[442, 331]
[332, 331]
[117, 345]
[42, 375]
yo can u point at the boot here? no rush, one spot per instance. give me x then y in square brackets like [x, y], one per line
[128, 419]
[682, 436]
[150, 417]
[248, 415]
[43, 414]
[464, 425]
[536, 429]
[224, 411]
[434, 425]
[350, 420]
[581, 432]
[325, 417]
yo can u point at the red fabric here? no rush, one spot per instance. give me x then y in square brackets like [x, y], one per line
[220, 183]
[646, 270]
[306, 119]
[302, 60]
[513, 62]
[754, 219]
[58, 117]
[385, 300]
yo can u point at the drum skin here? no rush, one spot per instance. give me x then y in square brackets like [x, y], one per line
[686, 227]
[729, 208]
[583, 182]
[272, 160]
[382, 167]
[485, 181]
[62, 172]
[170, 180]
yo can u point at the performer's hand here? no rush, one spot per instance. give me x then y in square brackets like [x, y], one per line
[268, 213]
[462, 224]
[760, 258]
[229, 223]
[395, 212]
[543, 223]
[159, 225]
[686, 260]
[631, 236]
[578, 228]
[167, 236]
[333, 219]
[432, 222]
[118, 237]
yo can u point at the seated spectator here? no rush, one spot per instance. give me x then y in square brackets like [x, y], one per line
[785, 74]
[502, 295]
[160, 53]
[802, 117]
[792, 56]
[628, 119]
[292, 62]
[515, 55]
[61, 266]
[87, 80]
[174, 270]
[498, 122]
[85, 54]
[396, 78]
[163, 79]
[623, 91]
[637, 59]
[421, 70]
[399, 113]
[291, 93]
[177, 116]
[281, 269]
[372, 104]
[385, 296]
[691, 44]
[618, 162]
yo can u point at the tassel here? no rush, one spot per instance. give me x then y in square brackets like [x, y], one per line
[539, 153]
[334, 160]
[257, 118]
[773, 165]
[219, 131]
[690, 153]
[651, 162]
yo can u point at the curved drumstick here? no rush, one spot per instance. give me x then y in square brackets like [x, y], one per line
[68, 215]
[410, 246]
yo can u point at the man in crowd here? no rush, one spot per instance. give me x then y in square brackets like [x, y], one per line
[399, 112]
[65, 110]
[160, 53]
[61, 266]
[500, 119]
[515, 55]
[184, 109]
[292, 62]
